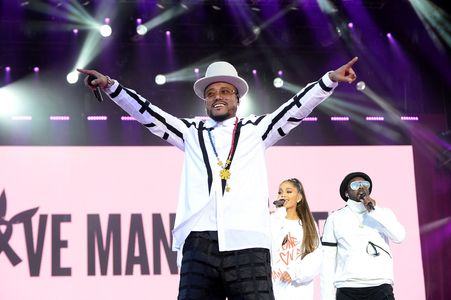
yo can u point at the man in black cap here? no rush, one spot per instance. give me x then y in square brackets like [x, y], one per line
[357, 261]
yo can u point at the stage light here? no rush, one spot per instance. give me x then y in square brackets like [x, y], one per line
[389, 35]
[141, 29]
[254, 5]
[8, 102]
[374, 118]
[97, 118]
[36, 69]
[339, 119]
[254, 72]
[196, 70]
[107, 20]
[310, 119]
[409, 118]
[350, 25]
[280, 73]
[160, 79]
[105, 30]
[59, 118]
[278, 82]
[361, 86]
[75, 31]
[21, 118]
[127, 118]
[7, 69]
[72, 77]
[168, 33]
[139, 21]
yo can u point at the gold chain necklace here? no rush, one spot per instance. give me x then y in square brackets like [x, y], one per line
[224, 173]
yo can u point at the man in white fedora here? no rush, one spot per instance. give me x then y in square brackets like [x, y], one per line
[222, 222]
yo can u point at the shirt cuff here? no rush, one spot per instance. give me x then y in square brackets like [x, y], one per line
[328, 82]
[112, 88]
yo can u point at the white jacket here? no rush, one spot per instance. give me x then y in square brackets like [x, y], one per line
[356, 250]
[242, 215]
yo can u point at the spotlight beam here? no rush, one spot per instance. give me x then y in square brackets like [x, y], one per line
[70, 11]
[433, 16]
[342, 107]
[169, 14]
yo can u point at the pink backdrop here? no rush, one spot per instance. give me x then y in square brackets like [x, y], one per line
[102, 181]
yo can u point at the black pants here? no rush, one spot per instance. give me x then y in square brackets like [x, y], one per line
[380, 292]
[209, 274]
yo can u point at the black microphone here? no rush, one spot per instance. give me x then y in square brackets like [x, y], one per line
[279, 203]
[370, 204]
[97, 92]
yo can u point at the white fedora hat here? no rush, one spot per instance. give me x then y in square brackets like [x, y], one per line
[221, 71]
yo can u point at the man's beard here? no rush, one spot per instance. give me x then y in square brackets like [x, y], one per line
[218, 118]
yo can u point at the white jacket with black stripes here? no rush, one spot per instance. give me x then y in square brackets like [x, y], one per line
[242, 215]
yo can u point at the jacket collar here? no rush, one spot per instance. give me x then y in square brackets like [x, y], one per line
[357, 207]
[210, 123]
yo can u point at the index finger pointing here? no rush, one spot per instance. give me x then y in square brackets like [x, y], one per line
[85, 71]
[352, 61]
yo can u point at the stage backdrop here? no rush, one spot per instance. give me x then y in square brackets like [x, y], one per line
[94, 222]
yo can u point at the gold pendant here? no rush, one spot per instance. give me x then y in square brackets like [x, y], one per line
[227, 189]
[220, 163]
[224, 174]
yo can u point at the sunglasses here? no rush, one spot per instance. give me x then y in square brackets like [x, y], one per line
[355, 185]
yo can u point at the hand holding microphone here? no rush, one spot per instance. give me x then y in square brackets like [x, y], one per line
[96, 88]
[95, 81]
[279, 202]
[367, 202]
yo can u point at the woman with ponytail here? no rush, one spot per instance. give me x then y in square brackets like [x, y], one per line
[296, 257]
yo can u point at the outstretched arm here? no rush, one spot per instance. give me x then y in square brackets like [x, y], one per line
[290, 114]
[156, 120]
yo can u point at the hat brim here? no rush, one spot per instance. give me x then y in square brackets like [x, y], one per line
[344, 184]
[239, 83]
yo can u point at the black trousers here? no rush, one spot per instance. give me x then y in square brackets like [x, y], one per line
[380, 292]
[209, 274]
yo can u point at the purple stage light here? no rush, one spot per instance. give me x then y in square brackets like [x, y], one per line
[311, 119]
[127, 118]
[97, 118]
[374, 118]
[7, 69]
[350, 25]
[21, 118]
[389, 35]
[409, 118]
[59, 118]
[339, 119]
[107, 20]
[168, 33]
[36, 69]
[139, 21]
[75, 31]
[254, 72]
[196, 70]
[280, 72]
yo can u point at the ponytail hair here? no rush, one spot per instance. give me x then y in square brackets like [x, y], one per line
[310, 240]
